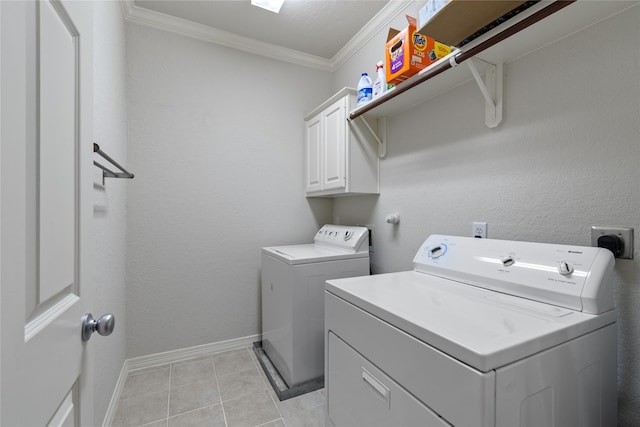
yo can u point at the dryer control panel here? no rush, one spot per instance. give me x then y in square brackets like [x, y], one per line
[353, 239]
[575, 277]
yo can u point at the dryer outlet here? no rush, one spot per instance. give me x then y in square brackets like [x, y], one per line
[625, 234]
[479, 230]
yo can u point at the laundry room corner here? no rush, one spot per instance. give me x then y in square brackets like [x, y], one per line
[109, 204]
[563, 159]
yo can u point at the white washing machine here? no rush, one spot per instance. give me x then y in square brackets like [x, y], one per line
[481, 333]
[293, 280]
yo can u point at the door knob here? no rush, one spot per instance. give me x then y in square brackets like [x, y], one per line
[104, 325]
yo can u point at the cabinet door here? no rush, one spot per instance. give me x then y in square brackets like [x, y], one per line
[313, 154]
[335, 139]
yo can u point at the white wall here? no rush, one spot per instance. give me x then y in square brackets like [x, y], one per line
[216, 143]
[109, 205]
[565, 158]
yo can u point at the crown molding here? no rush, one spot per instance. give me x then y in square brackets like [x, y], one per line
[380, 20]
[153, 19]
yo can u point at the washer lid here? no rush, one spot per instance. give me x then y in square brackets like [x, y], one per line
[482, 328]
[305, 254]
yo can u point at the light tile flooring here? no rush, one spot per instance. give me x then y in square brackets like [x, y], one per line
[225, 389]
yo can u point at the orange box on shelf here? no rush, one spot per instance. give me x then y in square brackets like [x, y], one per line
[408, 52]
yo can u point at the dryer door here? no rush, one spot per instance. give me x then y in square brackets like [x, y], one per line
[362, 395]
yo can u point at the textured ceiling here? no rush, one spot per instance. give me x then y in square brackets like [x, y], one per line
[316, 27]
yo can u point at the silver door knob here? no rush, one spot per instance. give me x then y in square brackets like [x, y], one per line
[104, 325]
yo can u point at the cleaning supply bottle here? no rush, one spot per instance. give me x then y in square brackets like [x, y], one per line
[365, 90]
[380, 85]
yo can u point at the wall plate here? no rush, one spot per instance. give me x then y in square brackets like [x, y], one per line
[479, 230]
[624, 233]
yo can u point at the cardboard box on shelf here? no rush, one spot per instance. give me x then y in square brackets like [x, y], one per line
[427, 11]
[453, 21]
[408, 52]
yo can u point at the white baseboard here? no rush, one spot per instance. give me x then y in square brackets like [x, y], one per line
[157, 359]
[113, 404]
[190, 352]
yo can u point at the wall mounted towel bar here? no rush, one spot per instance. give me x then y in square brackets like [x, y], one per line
[108, 173]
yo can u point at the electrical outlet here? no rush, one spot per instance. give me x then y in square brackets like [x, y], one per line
[479, 230]
[623, 233]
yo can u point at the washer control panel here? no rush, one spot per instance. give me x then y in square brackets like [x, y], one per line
[575, 277]
[353, 239]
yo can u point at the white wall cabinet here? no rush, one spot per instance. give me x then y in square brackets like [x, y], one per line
[341, 158]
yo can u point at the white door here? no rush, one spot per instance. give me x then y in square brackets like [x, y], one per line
[45, 193]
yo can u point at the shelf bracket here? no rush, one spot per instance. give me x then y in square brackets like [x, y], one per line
[491, 89]
[382, 130]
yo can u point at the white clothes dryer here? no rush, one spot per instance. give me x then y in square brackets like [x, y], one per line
[293, 281]
[481, 333]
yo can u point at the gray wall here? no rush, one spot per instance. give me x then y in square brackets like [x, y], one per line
[565, 158]
[109, 204]
[216, 145]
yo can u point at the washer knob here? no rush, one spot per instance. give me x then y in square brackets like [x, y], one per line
[565, 268]
[438, 251]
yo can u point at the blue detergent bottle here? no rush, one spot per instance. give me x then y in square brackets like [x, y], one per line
[365, 90]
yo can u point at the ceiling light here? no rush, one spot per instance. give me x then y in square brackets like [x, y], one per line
[271, 5]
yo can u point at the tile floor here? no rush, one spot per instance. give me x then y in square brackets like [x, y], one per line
[225, 389]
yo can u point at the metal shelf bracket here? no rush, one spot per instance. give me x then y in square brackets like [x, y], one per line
[491, 88]
[381, 136]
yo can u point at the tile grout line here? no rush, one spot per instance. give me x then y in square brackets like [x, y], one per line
[269, 422]
[215, 375]
[152, 422]
[121, 399]
[186, 412]
[142, 395]
[266, 387]
[284, 421]
[169, 394]
[169, 415]
[266, 383]
[147, 370]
